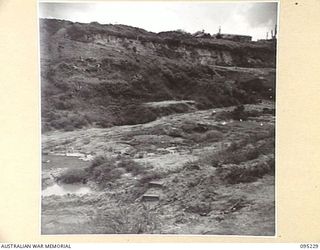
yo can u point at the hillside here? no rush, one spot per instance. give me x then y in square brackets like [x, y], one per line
[95, 75]
[147, 133]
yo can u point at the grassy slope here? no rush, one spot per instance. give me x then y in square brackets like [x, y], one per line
[100, 75]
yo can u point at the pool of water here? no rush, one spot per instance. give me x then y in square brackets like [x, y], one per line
[63, 189]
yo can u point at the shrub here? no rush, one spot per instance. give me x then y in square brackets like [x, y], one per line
[99, 160]
[116, 173]
[171, 109]
[104, 123]
[78, 120]
[69, 122]
[127, 219]
[210, 136]
[100, 169]
[201, 208]
[174, 132]
[269, 111]
[167, 73]
[152, 175]
[233, 174]
[105, 169]
[69, 127]
[115, 88]
[73, 176]
[267, 146]
[203, 103]
[191, 165]
[271, 163]
[213, 135]
[238, 153]
[105, 173]
[191, 126]
[238, 113]
[235, 145]
[63, 104]
[137, 114]
[223, 116]
[131, 166]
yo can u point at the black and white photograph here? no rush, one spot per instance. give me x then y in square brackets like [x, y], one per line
[158, 117]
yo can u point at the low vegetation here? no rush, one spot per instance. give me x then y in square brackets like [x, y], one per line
[244, 160]
[104, 170]
[73, 175]
[110, 87]
[127, 219]
[238, 113]
[249, 172]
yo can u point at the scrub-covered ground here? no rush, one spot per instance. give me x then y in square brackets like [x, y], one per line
[199, 172]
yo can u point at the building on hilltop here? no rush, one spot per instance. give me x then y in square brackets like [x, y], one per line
[219, 35]
[233, 37]
[201, 34]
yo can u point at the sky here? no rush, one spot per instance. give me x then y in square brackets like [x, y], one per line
[243, 18]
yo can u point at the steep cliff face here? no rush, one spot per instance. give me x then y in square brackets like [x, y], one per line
[102, 74]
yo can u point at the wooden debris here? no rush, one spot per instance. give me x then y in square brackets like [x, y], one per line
[150, 197]
[156, 184]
